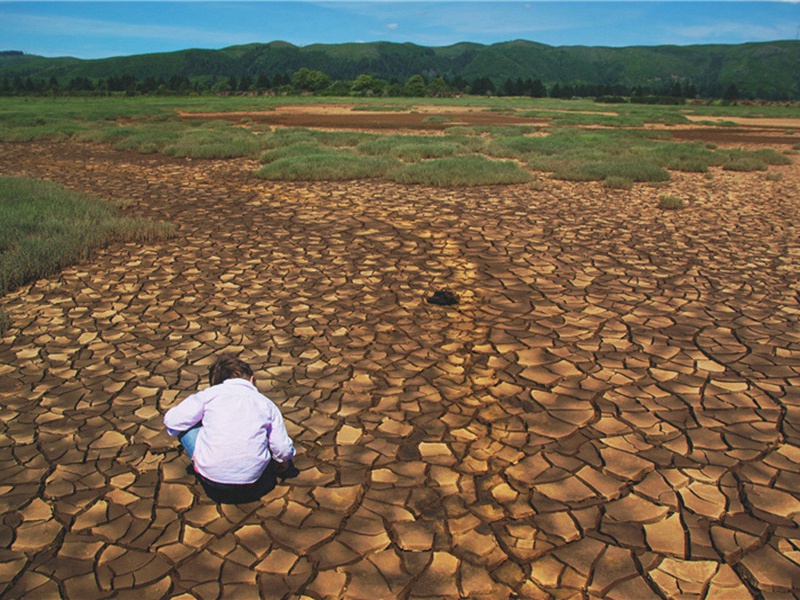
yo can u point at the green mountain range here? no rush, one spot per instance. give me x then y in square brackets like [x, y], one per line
[768, 70]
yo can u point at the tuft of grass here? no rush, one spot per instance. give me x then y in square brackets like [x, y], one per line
[491, 130]
[461, 171]
[327, 166]
[221, 142]
[413, 148]
[382, 108]
[744, 163]
[302, 149]
[44, 228]
[690, 157]
[618, 183]
[620, 167]
[5, 321]
[438, 119]
[671, 203]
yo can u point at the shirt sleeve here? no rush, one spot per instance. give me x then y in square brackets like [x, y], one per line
[280, 444]
[186, 415]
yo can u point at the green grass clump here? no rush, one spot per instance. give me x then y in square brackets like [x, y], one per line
[381, 108]
[621, 167]
[5, 321]
[461, 171]
[292, 136]
[671, 202]
[227, 142]
[744, 164]
[690, 157]
[491, 130]
[413, 148]
[302, 149]
[327, 165]
[618, 183]
[44, 228]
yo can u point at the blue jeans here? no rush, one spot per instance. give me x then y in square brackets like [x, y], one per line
[188, 439]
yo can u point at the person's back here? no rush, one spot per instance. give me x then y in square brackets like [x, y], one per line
[230, 430]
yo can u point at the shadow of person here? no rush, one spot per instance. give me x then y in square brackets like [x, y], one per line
[222, 493]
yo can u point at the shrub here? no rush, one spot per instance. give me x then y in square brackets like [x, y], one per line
[461, 171]
[44, 228]
[670, 202]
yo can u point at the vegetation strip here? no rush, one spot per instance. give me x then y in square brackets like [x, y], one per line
[44, 228]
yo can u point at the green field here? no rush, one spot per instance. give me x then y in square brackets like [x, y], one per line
[579, 140]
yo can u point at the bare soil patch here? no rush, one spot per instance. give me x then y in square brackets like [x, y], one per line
[344, 117]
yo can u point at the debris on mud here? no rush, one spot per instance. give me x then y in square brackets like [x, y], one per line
[443, 298]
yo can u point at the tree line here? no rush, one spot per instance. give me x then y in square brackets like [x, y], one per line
[308, 81]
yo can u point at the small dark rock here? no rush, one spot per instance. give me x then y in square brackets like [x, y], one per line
[443, 298]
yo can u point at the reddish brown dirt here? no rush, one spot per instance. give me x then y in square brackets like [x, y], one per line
[748, 131]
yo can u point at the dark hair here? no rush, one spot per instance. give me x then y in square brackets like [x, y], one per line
[228, 366]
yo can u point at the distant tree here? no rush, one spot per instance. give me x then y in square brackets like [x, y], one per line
[481, 86]
[416, 87]
[245, 83]
[438, 88]
[537, 89]
[308, 80]
[731, 93]
[459, 83]
[263, 83]
[367, 85]
[221, 87]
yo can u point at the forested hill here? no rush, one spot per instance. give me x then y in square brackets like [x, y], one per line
[769, 70]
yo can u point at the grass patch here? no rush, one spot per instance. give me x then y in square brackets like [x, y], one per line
[461, 171]
[302, 149]
[5, 321]
[220, 142]
[491, 130]
[671, 203]
[621, 168]
[44, 228]
[326, 165]
[291, 136]
[438, 119]
[618, 183]
[413, 148]
[382, 108]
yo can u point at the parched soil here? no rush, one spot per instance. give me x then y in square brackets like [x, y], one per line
[611, 409]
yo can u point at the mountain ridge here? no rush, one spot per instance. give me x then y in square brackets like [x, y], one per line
[761, 69]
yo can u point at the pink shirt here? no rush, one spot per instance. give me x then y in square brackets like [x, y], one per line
[242, 431]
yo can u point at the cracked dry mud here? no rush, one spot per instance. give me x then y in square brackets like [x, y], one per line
[611, 410]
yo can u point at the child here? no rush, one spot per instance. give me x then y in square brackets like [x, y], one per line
[230, 431]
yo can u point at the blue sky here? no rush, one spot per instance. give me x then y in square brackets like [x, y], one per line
[100, 29]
